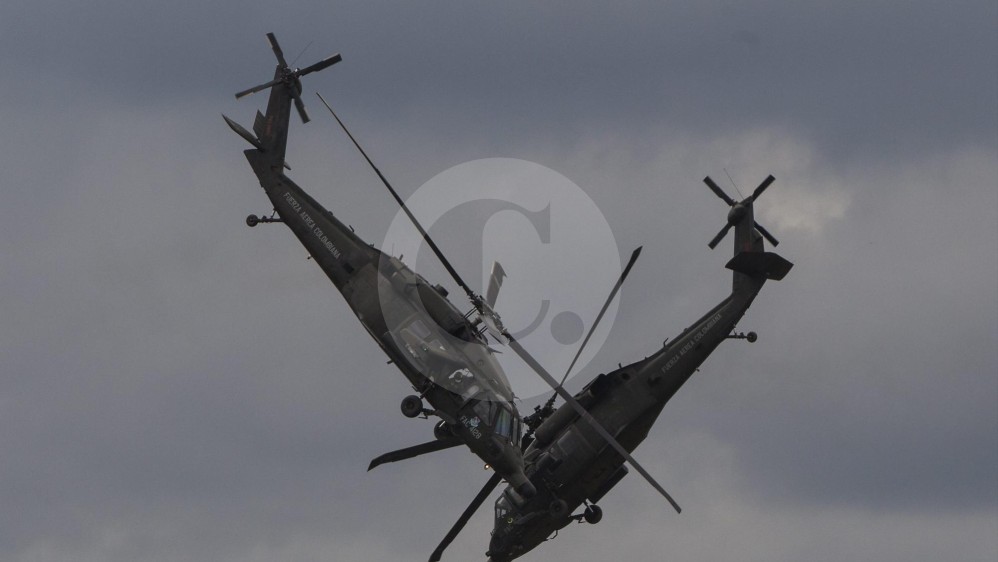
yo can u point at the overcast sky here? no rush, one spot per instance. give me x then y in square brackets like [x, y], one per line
[177, 387]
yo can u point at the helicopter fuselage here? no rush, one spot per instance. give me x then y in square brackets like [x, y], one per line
[442, 354]
[569, 463]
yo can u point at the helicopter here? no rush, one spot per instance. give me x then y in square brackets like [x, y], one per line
[442, 351]
[568, 461]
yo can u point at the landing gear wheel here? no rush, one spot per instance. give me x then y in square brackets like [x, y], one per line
[442, 431]
[558, 508]
[412, 406]
[252, 220]
[593, 514]
[752, 337]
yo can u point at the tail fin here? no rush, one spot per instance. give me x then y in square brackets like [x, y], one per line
[750, 257]
[760, 264]
[285, 89]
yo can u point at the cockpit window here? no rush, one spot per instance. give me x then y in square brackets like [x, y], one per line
[504, 423]
[499, 416]
[502, 508]
[485, 410]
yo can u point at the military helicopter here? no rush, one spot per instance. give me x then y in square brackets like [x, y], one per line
[441, 351]
[568, 460]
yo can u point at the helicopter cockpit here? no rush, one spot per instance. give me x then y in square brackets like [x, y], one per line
[507, 532]
[504, 510]
[500, 417]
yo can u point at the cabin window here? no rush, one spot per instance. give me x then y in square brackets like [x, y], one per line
[504, 423]
[485, 410]
[503, 509]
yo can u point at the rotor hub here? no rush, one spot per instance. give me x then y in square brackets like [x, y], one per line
[736, 213]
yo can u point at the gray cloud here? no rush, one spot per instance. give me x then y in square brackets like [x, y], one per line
[174, 386]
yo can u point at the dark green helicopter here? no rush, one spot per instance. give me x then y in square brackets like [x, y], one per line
[567, 458]
[441, 351]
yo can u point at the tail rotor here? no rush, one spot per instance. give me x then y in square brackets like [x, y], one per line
[290, 77]
[739, 210]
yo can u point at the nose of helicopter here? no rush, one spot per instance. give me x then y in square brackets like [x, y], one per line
[499, 546]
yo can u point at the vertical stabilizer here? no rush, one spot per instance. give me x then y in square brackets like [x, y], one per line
[285, 89]
[751, 263]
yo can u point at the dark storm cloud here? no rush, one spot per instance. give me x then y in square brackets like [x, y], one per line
[175, 386]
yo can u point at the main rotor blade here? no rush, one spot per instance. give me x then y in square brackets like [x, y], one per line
[299, 105]
[429, 241]
[495, 283]
[529, 359]
[324, 63]
[256, 89]
[606, 304]
[463, 520]
[772, 239]
[414, 451]
[720, 236]
[277, 49]
[762, 187]
[718, 191]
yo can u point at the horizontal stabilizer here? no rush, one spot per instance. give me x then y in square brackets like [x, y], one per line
[760, 264]
[415, 451]
[241, 131]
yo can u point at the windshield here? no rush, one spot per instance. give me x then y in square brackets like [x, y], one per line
[504, 423]
[503, 509]
[500, 417]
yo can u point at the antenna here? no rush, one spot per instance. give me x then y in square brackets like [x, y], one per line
[301, 53]
[733, 183]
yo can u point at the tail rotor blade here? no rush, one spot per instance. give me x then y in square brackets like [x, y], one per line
[277, 49]
[256, 89]
[463, 520]
[300, 106]
[718, 191]
[720, 236]
[762, 187]
[324, 63]
[290, 77]
[765, 233]
[740, 211]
